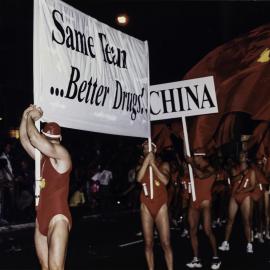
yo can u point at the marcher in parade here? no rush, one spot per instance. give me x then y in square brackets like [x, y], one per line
[155, 211]
[243, 183]
[204, 178]
[53, 220]
[266, 171]
[257, 196]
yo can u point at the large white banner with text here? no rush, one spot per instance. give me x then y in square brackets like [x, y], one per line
[88, 75]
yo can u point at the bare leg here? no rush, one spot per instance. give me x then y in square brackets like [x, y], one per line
[252, 218]
[266, 212]
[233, 207]
[246, 214]
[162, 222]
[57, 242]
[206, 205]
[193, 219]
[257, 211]
[148, 226]
[41, 248]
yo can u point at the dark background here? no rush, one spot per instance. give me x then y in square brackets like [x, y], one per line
[179, 34]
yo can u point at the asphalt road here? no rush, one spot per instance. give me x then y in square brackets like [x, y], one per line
[109, 241]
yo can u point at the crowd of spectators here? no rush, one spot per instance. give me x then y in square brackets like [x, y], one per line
[102, 179]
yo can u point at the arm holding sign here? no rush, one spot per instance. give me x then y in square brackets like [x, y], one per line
[162, 172]
[154, 210]
[24, 139]
[141, 170]
[49, 147]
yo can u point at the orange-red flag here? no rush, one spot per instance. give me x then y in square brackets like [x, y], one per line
[161, 135]
[241, 70]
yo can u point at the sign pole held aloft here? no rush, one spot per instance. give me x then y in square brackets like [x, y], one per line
[151, 171]
[37, 168]
[183, 99]
[149, 138]
[189, 155]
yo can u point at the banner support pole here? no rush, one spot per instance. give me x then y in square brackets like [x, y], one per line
[193, 193]
[149, 108]
[151, 171]
[37, 168]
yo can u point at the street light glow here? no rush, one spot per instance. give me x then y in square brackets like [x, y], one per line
[122, 19]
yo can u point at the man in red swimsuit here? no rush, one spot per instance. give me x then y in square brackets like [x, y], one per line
[53, 216]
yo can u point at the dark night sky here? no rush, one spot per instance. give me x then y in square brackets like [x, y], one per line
[179, 35]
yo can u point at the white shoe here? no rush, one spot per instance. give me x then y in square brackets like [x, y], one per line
[216, 263]
[225, 246]
[195, 263]
[249, 248]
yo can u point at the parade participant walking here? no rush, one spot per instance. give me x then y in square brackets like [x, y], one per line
[204, 180]
[266, 171]
[53, 220]
[243, 183]
[258, 200]
[155, 211]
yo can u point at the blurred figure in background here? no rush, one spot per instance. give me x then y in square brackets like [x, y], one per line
[9, 189]
[24, 182]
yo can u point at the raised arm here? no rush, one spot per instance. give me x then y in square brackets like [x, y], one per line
[24, 139]
[47, 148]
[142, 169]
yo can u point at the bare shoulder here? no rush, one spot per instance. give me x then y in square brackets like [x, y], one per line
[63, 161]
[62, 154]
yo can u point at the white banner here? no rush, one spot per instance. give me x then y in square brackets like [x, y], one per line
[183, 98]
[88, 75]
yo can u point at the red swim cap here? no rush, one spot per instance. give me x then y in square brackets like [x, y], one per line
[52, 130]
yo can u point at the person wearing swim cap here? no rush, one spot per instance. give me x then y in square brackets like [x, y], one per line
[53, 221]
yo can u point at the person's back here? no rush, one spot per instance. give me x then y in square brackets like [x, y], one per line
[53, 215]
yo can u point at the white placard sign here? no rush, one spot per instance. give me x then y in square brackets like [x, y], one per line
[183, 98]
[88, 75]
